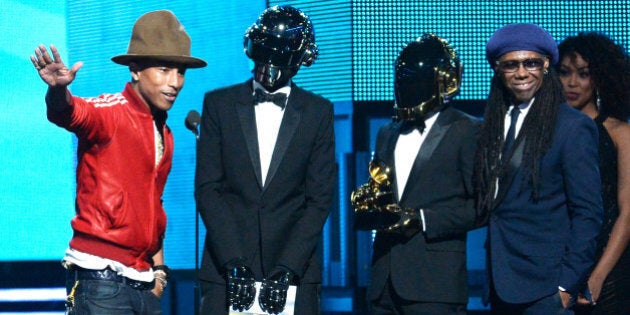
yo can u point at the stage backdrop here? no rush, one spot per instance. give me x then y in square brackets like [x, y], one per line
[37, 182]
[358, 41]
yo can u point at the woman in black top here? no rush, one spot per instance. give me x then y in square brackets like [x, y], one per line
[595, 74]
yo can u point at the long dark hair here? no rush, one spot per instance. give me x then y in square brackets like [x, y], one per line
[609, 66]
[538, 130]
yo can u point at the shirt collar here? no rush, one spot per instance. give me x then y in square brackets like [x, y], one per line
[523, 107]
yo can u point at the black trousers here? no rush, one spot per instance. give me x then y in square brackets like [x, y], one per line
[390, 303]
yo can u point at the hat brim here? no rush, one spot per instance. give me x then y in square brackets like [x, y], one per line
[189, 62]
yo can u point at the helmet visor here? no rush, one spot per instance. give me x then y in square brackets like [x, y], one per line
[281, 51]
[266, 55]
[414, 86]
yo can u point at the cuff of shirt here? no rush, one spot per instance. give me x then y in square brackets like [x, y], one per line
[424, 225]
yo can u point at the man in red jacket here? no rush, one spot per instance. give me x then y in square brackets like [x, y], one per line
[115, 259]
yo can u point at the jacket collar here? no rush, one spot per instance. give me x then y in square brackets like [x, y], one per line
[139, 105]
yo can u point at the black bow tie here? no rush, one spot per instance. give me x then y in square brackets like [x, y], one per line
[408, 126]
[261, 96]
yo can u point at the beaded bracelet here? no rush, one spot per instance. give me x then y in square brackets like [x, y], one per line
[163, 282]
[161, 273]
[164, 268]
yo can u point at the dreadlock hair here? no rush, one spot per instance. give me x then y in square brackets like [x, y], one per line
[537, 130]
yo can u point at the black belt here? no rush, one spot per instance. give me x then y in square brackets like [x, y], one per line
[110, 275]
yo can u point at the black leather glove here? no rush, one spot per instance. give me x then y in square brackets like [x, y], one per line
[273, 291]
[241, 288]
[409, 222]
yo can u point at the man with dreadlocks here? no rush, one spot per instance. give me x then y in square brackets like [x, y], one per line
[537, 178]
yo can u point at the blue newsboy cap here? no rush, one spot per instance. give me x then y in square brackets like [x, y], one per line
[521, 36]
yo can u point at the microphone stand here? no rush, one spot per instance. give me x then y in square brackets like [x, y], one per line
[192, 122]
[197, 284]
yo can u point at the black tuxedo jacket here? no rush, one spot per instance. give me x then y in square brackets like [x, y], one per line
[431, 266]
[278, 224]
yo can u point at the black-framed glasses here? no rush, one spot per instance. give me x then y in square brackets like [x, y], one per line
[530, 64]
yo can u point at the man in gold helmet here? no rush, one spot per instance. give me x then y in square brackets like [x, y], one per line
[419, 262]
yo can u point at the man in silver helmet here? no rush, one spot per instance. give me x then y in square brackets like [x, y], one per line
[282, 40]
[265, 175]
[419, 262]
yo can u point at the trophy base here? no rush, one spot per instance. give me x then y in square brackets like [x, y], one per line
[366, 220]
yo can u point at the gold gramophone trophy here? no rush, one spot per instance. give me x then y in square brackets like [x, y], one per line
[370, 201]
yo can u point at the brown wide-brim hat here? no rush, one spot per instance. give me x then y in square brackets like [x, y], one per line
[158, 35]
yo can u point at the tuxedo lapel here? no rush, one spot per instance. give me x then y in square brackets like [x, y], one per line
[392, 138]
[508, 176]
[247, 118]
[435, 135]
[288, 128]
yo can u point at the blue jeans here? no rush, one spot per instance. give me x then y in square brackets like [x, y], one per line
[106, 297]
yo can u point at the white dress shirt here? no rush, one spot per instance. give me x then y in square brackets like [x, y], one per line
[268, 120]
[405, 153]
[519, 122]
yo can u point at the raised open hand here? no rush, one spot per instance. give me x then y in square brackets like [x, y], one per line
[51, 69]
